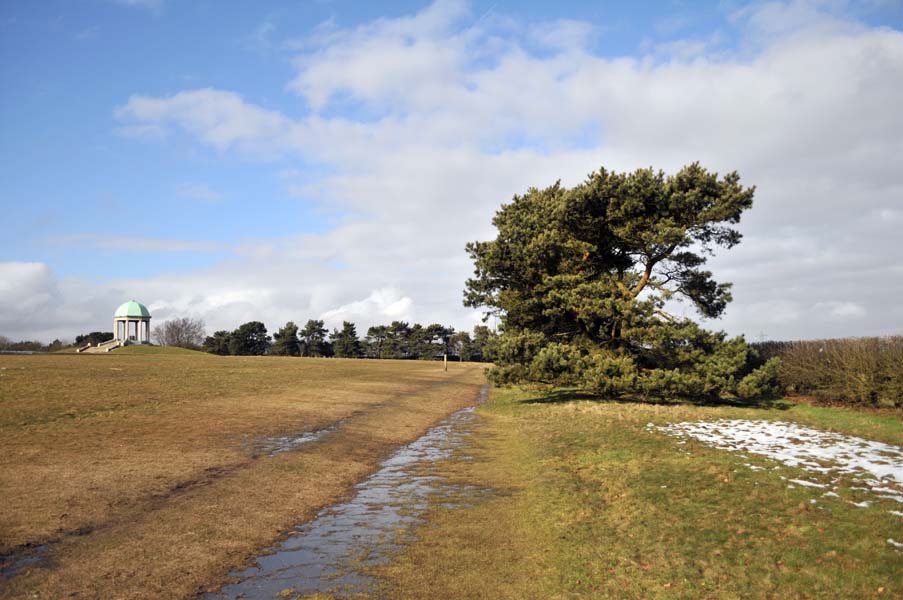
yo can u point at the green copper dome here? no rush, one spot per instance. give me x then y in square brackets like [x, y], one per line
[132, 309]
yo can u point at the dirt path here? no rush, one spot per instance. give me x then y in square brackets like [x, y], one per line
[331, 553]
[182, 539]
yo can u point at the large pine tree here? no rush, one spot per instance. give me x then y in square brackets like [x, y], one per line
[582, 279]
[345, 343]
[285, 341]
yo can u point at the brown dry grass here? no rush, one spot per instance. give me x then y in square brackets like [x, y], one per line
[138, 470]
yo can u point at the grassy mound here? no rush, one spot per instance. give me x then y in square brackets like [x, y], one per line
[156, 350]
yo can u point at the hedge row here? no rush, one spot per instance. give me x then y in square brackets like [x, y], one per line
[859, 371]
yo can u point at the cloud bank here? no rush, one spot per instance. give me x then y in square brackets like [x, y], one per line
[427, 123]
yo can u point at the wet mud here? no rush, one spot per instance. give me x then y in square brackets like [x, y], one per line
[277, 445]
[22, 559]
[331, 554]
[271, 446]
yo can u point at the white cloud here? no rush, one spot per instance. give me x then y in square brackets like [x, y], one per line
[773, 314]
[684, 50]
[382, 305]
[261, 39]
[221, 119]
[563, 34]
[773, 18]
[890, 216]
[141, 132]
[35, 304]
[26, 289]
[839, 310]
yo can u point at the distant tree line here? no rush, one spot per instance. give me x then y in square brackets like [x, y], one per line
[7, 345]
[398, 340]
[94, 338]
[866, 371]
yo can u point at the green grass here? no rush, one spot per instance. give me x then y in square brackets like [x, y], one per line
[884, 426]
[588, 503]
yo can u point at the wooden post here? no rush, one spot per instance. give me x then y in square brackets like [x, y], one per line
[445, 361]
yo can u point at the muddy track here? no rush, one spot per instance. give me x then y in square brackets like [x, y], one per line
[330, 553]
[41, 551]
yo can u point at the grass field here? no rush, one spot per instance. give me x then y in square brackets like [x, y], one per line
[144, 473]
[588, 501]
[149, 473]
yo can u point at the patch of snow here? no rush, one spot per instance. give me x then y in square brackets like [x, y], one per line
[805, 483]
[831, 495]
[863, 504]
[876, 467]
[896, 513]
[894, 543]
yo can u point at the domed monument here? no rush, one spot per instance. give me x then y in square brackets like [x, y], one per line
[131, 323]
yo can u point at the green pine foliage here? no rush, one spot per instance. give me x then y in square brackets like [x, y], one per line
[313, 339]
[218, 343]
[94, 338]
[250, 339]
[345, 343]
[582, 278]
[285, 341]
[398, 340]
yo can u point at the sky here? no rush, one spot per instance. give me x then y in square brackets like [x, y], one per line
[276, 161]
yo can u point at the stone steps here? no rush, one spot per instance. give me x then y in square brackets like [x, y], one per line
[101, 348]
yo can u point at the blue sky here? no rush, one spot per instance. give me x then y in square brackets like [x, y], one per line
[67, 65]
[289, 160]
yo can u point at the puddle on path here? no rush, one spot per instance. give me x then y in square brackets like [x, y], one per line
[329, 554]
[277, 445]
[271, 446]
[12, 564]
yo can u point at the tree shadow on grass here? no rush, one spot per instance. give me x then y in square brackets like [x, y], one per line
[564, 395]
